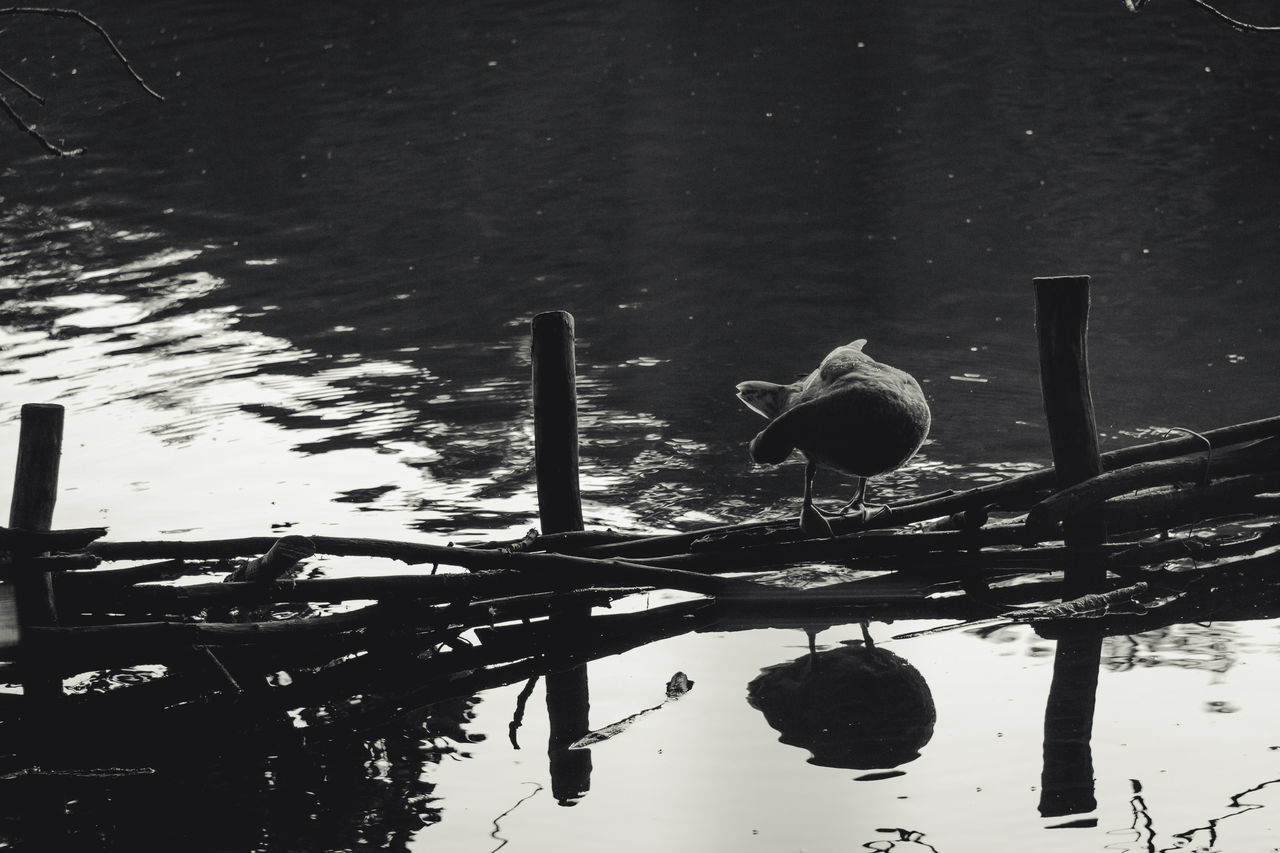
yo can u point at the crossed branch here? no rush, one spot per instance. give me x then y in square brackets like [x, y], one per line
[26, 126]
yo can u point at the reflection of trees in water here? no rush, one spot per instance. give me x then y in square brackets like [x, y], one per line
[1146, 821]
[1212, 647]
[272, 791]
[1188, 646]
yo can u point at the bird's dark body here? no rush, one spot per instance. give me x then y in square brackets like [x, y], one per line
[853, 414]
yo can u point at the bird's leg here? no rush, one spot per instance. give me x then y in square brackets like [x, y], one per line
[811, 520]
[866, 634]
[863, 512]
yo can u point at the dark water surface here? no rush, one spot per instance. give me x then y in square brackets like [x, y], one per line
[296, 295]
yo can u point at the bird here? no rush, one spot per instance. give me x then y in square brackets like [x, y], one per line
[853, 414]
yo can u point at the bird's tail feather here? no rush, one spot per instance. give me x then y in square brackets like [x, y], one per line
[764, 398]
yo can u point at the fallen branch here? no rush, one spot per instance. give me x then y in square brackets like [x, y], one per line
[580, 569]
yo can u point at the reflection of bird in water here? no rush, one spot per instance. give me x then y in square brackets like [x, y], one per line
[852, 414]
[853, 706]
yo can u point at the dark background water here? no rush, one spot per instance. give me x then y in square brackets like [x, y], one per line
[716, 193]
[332, 234]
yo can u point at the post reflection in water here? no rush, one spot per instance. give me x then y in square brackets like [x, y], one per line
[1067, 785]
[568, 704]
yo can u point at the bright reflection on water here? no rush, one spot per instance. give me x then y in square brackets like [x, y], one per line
[296, 297]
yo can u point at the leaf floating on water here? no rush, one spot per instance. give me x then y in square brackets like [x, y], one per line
[678, 686]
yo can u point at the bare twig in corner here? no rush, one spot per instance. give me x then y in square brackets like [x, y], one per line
[95, 26]
[31, 129]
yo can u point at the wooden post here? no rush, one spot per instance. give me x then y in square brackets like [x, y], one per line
[1062, 319]
[35, 491]
[555, 422]
[555, 442]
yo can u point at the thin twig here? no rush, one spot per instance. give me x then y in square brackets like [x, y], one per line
[31, 131]
[1239, 25]
[96, 27]
[19, 84]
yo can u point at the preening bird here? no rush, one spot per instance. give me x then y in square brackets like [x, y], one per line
[853, 414]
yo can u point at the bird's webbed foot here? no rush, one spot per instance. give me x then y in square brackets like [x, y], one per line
[814, 523]
[863, 513]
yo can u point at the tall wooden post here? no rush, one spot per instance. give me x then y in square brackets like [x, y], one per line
[35, 492]
[555, 422]
[1062, 319]
[555, 442]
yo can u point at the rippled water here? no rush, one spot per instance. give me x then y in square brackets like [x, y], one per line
[296, 295]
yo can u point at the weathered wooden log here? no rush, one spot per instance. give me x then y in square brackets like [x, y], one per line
[49, 563]
[282, 556]
[1171, 506]
[74, 581]
[1071, 501]
[76, 649]
[872, 546]
[436, 588]
[48, 540]
[568, 567]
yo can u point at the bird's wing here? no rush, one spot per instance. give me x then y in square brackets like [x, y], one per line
[774, 443]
